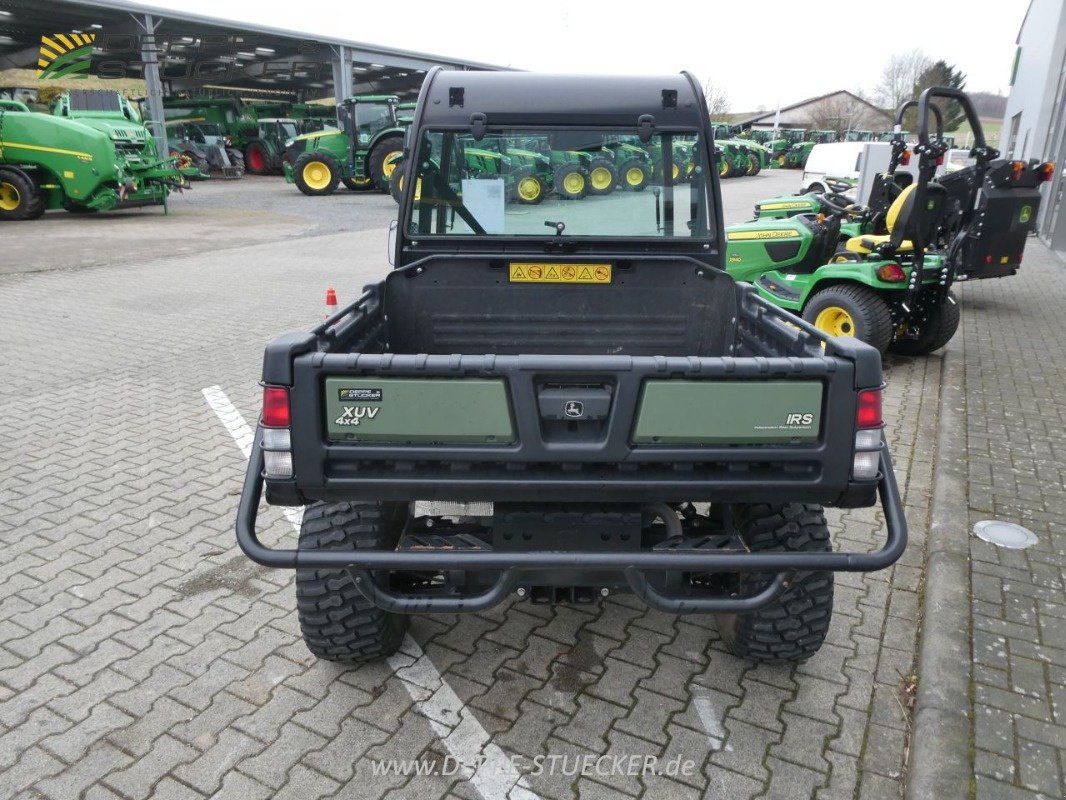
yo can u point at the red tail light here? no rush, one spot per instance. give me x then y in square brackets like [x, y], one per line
[906, 158]
[940, 160]
[1016, 170]
[891, 273]
[868, 413]
[276, 407]
[1047, 171]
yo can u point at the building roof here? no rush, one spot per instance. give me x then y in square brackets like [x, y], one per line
[767, 117]
[197, 51]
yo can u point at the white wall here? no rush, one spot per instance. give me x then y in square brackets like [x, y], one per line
[1043, 44]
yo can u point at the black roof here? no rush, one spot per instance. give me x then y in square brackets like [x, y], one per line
[450, 98]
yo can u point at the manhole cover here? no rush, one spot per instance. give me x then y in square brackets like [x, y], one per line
[1004, 534]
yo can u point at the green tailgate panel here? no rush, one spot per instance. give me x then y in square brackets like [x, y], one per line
[729, 412]
[418, 411]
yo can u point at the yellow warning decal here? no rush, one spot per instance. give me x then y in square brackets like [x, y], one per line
[740, 236]
[532, 272]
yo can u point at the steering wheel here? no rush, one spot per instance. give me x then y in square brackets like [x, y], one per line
[842, 205]
[838, 187]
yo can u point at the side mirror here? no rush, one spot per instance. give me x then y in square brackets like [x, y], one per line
[393, 230]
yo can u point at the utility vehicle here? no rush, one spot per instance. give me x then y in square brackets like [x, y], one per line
[561, 402]
[888, 279]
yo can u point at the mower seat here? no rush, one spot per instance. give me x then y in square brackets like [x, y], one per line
[901, 207]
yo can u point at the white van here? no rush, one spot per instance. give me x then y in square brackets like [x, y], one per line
[832, 160]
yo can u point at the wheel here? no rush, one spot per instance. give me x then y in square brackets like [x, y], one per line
[740, 168]
[781, 160]
[198, 161]
[236, 160]
[725, 167]
[316, 173]
[338, 623]
[358, 184]
[602, 176]
[571, 181]
[380, 165]
[937, 331]
[634, 175]
[257, 159]
[851, 310]
[396, 181]
[793, 626]
[657, 172]
[756, 164]
[530, 188]
[19, 197]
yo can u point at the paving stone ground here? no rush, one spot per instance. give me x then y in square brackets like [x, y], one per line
[1013, 352]
[141, 655]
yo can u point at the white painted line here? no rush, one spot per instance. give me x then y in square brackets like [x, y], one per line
[705, 709]
[495, 777]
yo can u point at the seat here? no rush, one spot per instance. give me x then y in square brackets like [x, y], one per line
[902, 206]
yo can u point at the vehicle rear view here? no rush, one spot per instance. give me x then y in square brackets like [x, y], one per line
[565, 400]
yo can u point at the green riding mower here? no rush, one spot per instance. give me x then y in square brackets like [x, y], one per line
[889, 284]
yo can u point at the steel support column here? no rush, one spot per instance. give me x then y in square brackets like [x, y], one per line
[154, 85]
[343, 86]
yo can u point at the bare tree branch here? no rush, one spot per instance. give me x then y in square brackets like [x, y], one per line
[717, 100]
[899, 77]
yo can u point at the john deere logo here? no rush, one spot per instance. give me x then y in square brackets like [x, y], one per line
[65, 55]
[1026, 214]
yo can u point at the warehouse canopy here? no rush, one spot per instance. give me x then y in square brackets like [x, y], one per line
[198, 52]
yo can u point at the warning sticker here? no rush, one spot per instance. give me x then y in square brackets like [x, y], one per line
[524, 272]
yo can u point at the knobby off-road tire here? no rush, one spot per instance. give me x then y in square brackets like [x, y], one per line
[376, 162]
[792, 627]
[869, 317]
[316, 173]
[20, 198]
[236, 160]
[337, 621]
[939, 328]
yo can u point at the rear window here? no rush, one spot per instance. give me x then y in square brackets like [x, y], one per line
[524, 182]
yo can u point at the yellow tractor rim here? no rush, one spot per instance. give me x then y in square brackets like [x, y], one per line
[390, 165]
[574, 182]
[781, 161]
[317, 174]
[835, 321]
[723, 168]
[634, 176]
[418, 189]
[9, 197]
[600, 178]
[529, 188]
[675, 171]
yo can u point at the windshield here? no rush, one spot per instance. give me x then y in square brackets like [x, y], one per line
[565, 183]
[371, 118]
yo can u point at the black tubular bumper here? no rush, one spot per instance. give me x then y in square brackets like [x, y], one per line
[632, 565]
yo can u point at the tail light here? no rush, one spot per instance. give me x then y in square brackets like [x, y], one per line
[868, 421]
[1017, 169]
[906, 160]
[1047, 171]
[891, 273]
[277, 438]
[940, 160]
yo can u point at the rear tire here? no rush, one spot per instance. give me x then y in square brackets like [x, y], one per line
[338, 623]
[236, 160]
[396, 182]
[257, 158]
[851, 310]
[942, 324]
[378, 172]
[20, 199]
[529, 188]
[725, 167]
[633, 175]
[358, 184]
[316, 173]
[571, 181]
[756, 165]
[792, 627]
[602, 177]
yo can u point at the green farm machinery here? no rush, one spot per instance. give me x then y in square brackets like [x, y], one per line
[250, 129]
[93, 154]
[362, 153]
[796, 157]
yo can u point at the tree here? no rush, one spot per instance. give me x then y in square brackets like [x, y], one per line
[842, 112]
[899, 78]
[717, 100]
[943, 74]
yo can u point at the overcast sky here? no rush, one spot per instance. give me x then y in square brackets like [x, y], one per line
[760, 53]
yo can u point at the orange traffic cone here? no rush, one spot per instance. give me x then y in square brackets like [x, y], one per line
[331, 302]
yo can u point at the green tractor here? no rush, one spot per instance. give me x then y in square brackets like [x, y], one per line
[796, 157]
[361, 154]
[94, 156]
[258, 143]
[889, 284]
[631, 162]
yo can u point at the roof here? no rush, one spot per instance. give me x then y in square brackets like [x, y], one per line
[451, 98]
[768, 116]
[198, 51]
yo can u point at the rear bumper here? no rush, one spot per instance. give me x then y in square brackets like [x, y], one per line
[511, 565]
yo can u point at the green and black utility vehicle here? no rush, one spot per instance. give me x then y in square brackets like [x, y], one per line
[563, 401]
[361, 154]
[883, 272]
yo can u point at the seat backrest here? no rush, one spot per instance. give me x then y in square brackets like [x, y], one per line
[905, 220]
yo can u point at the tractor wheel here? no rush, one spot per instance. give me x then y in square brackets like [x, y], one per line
[657, 172]
[358, 184]
[338, 623]
[381, 166]
[198, 161]
[634, 175]
[781, 160]
[741, 167]
[756, 164]
[602, 176]
[792, 627]
[571, 181]
[851, 310]
[725, 167]
[236, 160]
[19, 197]
[530, 188]
[257, 158]
[316, 173]
[941, 325]
[396, 181]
